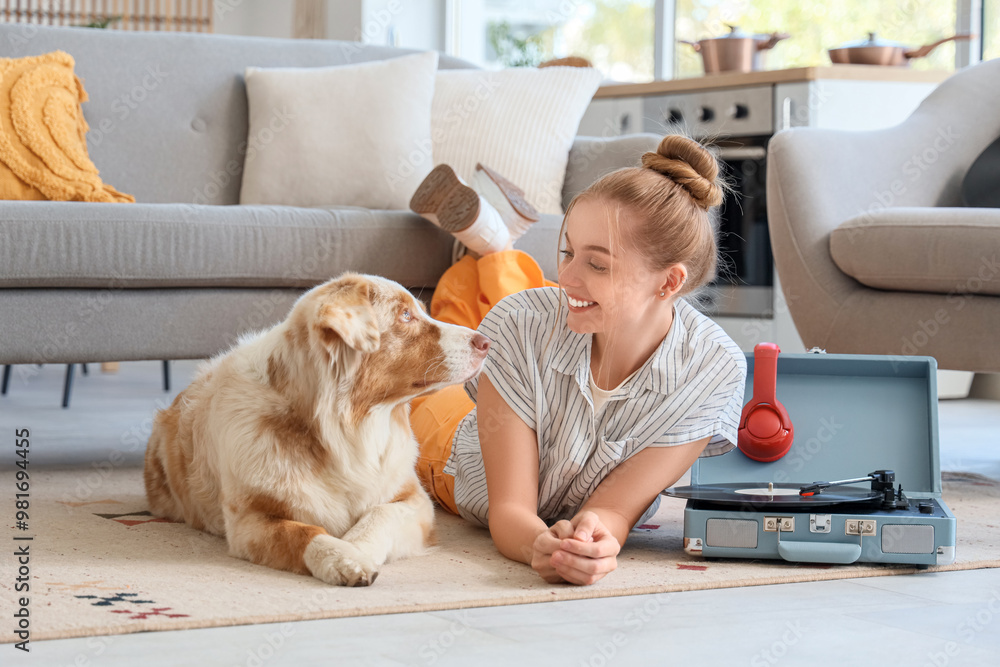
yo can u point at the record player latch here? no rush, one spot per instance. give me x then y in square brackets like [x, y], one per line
[862, 527]
[779, 524]
[820, 523]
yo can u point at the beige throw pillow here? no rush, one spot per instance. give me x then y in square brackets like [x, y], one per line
[349, 135]
[520, 122]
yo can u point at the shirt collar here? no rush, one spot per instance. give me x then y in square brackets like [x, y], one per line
[572, 357]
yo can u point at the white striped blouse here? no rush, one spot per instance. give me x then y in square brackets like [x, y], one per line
[689, 389]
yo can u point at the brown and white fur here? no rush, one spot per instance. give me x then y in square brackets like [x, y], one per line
[296, 444]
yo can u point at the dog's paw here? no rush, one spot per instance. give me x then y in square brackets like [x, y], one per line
[339, 563]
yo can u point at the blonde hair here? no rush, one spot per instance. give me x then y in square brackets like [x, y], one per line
[669, 198]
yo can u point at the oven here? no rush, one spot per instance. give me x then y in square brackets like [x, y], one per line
[739, 122]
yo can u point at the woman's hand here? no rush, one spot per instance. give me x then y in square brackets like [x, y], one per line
[546, 544]
[580, 551]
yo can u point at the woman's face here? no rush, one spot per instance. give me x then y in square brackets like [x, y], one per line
[607, 282]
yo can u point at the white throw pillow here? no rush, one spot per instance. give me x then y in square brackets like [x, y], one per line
[520, 122]
[349, 135]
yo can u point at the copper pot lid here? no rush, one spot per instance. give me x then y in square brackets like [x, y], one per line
[736, 33]
[762, 41]
[872, 40]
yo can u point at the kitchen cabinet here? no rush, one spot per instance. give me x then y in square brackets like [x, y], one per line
[613, 117]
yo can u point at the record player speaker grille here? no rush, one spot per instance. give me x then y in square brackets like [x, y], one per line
[901, 538]
[731, 533]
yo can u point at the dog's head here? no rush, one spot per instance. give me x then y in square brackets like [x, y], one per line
[373, 334]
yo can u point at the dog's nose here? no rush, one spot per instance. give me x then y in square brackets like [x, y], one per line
[481, 342]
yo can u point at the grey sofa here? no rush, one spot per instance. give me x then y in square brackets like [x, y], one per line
[182, 272]
[874, 250]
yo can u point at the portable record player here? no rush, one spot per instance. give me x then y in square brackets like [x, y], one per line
[854, 476]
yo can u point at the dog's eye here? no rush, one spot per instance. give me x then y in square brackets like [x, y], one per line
[406, 316]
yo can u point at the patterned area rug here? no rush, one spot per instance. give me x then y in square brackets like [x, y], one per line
[100, 564]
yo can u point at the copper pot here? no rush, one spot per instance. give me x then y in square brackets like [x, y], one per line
[735, 52]
[874, 51]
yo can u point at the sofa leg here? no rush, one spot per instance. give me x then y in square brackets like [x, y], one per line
[166, 375]
[6, 380]
[68, 386]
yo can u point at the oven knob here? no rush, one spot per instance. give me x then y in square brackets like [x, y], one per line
[705, 114]
[674, 116]
[740, 111]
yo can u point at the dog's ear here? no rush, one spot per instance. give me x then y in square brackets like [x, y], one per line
[346, 314]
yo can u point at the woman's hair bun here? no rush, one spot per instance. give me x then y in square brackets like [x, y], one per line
[690, 165]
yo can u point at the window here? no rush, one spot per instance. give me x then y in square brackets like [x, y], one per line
[815, 26]
[618, 35]
[615, 35]
[991, 30]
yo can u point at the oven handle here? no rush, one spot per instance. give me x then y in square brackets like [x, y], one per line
[731, 153]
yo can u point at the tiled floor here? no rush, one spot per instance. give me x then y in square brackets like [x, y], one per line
[928, 619]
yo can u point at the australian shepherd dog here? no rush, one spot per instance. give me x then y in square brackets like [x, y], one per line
[296, 444]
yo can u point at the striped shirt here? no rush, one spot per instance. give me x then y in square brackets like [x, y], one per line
[690, 388]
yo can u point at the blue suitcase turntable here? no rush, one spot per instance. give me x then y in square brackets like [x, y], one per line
[837, 462]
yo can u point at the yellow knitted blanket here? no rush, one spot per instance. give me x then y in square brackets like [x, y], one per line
[43, 145]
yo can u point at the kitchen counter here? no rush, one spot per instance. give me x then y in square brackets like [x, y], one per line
[798, 74]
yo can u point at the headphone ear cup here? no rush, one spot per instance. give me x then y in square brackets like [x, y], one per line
[766, 432]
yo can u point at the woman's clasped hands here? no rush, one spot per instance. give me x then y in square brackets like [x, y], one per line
[580, 551]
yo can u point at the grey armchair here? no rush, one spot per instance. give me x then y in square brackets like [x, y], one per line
[874, 250]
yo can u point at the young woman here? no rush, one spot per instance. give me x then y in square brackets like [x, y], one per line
[598, 392]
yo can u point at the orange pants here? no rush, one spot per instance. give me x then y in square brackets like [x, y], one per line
[464, 295]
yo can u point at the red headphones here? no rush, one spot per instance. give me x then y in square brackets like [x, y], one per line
[766, 431]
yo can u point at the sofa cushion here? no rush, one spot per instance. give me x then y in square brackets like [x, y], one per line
[111, 247]
[519, 121]
[59, 244]
[43, 149]
[939, 250]
[340, 136]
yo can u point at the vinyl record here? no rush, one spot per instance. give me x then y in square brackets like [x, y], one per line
[780, 495]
